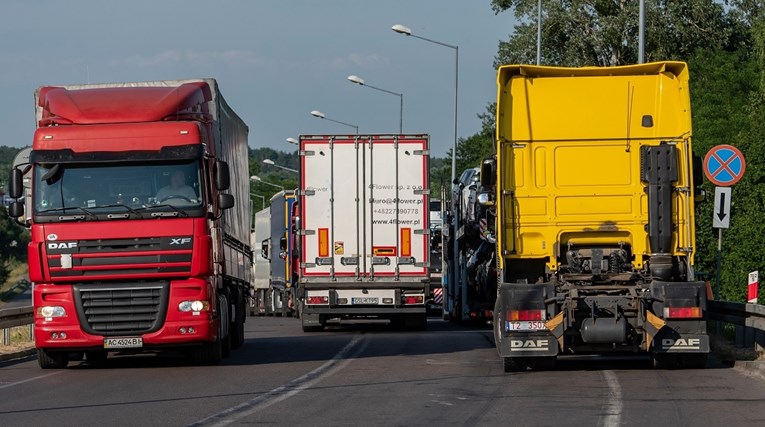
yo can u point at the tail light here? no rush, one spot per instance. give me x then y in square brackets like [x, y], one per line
[516, 315]
[682, 312]
[413, 299]
[317, 300]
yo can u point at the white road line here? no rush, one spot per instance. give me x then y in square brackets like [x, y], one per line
[613, 407]
[30, 379]
[341, 359]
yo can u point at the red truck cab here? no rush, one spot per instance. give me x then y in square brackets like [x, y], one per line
[138, 241]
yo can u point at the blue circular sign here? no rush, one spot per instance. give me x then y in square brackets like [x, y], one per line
[724, 165]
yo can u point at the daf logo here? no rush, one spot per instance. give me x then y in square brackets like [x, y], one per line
[52, 236]
[690, 343]
[62, 245]
[528, 345]
[180, 241]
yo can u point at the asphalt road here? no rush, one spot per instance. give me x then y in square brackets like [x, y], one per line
[367, 374]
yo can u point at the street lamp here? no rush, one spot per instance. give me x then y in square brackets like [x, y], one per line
[262, 199]
[271, 162]
[359, 81]
[319, 114]
[407, 31]
[257, 178]
[293, 141]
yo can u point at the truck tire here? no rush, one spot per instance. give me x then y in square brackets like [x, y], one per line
[397, 322]
[284, 293]
[207, 354]
[237, 326]
[693, 361]
[664, 360]
[312, 327]
[50, 359]
[546, 363]
[268, 303]
[514, 364]
[416, 322]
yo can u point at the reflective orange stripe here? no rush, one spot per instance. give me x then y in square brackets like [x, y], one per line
[324, 242]
[406, 242]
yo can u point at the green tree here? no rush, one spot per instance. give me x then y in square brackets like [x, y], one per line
[605, 32]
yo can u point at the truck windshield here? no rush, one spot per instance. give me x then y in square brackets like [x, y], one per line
[125, 188]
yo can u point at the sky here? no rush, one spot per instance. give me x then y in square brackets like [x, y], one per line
[275, 60]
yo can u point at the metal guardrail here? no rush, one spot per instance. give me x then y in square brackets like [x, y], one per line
[748, 319]
[13, 317]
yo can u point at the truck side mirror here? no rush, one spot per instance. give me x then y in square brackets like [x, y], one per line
[15, 183]
[222, 179]
[16, 209]
[264, 248]
[699, 195]
[488, 172]
[225, 201]
[485, 199]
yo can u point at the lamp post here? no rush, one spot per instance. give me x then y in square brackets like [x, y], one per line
[407, 31]
[293, 141]
[257, 178]
[359, 81]
[262, 199]
[271, 162]
[319, 114]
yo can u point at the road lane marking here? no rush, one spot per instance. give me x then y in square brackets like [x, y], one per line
[338, 362]
[30, 379]
[613, 407]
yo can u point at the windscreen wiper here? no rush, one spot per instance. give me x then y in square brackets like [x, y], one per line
[161, 214]
[65, 217]
[121, 216]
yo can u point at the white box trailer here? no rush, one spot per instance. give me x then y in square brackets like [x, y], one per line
[260, 241]
[364, 228]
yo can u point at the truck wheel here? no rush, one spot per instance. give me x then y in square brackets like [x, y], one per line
[207, 354]
[237, 326]
[543, 363]
[514, 364]
[664, 360]
[268, 302]
[416, 322]
[693, 361]
[312, 327]
[49, 359]
[285, 297]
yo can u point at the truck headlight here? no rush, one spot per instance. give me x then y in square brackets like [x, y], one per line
[196, 306]
[49, 311]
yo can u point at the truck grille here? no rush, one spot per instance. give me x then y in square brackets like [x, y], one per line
[166, 256]
[121, 309]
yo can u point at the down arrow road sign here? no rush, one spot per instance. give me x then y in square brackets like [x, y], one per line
[721, 215]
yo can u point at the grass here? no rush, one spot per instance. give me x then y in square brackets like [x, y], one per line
[20, 339]
[18, 273]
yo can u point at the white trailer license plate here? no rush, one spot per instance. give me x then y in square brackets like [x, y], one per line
[124, 342]
[366, 300]
[526, 325]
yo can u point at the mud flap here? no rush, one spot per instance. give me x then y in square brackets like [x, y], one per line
[670, 341]
[523, 296]
[528, 345]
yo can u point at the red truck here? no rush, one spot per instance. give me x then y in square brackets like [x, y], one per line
[139, 222]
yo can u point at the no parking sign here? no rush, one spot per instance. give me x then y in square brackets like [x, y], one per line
[724, 165]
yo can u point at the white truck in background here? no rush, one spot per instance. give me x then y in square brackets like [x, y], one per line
[363, 229]
[260, 241]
